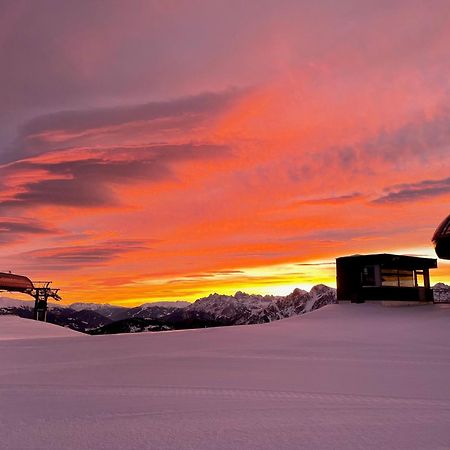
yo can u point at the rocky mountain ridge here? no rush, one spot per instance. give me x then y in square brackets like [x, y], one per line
[223, 310]
[211, 311]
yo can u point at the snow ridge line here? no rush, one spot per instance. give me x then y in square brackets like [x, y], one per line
[256, 394]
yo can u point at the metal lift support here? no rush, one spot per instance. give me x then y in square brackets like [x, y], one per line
[41, 291]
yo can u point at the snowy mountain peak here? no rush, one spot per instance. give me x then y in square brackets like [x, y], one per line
[80, 306]
[174, 304]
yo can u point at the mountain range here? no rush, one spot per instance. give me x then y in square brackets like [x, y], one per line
[211, 311]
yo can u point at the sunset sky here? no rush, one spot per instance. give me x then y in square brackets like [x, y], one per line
[164, 150]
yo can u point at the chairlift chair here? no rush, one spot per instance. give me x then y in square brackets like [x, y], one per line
[441, 239]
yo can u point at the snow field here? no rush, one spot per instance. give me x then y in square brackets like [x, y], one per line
[345, 376]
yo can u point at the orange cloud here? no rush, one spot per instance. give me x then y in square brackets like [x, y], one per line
[159, 180]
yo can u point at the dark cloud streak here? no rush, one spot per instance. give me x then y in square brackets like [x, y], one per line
[89, 182]
[82, 120]
[64, 258]
[416, 191]
[78, 128]
[16, 230]
[338, 199]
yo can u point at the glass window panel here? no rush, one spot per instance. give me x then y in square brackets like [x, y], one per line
[389, 277]
[420, 279]
[406, 278]
[368, 276]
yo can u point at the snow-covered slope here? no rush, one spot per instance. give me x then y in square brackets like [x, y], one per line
[12, 327]
[6, 302]
[342, 377]
[58, 314]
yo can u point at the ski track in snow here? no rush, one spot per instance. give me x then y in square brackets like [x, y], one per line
[256, 394]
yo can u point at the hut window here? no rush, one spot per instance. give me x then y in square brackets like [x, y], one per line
[406, 278]
[368, 276]
[420, 277]
[389, 277]
[397, 278]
